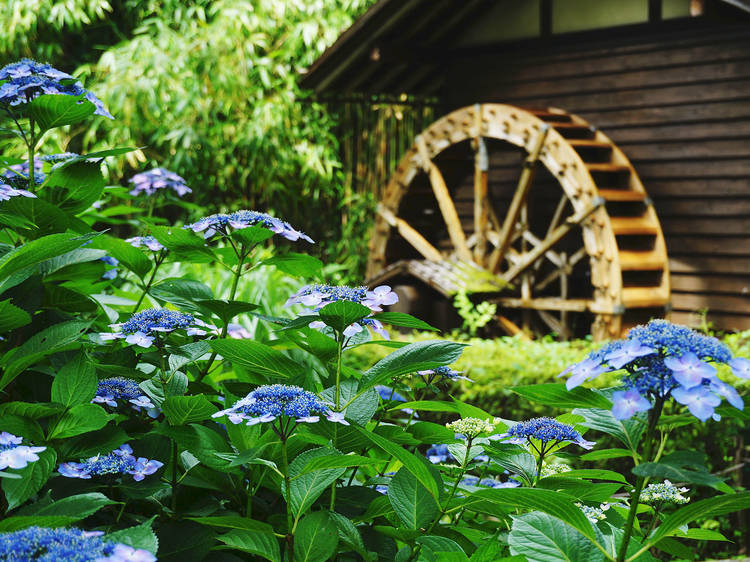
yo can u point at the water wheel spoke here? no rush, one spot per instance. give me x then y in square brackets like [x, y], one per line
[554, 237]
[481, 202]
[409, 234]
[518, 201]
[445, 203]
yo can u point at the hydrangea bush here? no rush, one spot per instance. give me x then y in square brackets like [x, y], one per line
[139, 420]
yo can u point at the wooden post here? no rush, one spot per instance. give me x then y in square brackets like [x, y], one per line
[481, 203]
[519, 197]
[443, 196]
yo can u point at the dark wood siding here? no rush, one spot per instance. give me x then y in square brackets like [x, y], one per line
[678, 104]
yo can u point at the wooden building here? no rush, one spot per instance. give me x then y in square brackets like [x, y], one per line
[667, 80]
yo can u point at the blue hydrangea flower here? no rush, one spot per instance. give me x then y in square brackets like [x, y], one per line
[547, 431]
[267, 403]
[444, 372]
[220, 223]
[438, 454]
[159, 178]
[27, 79]
[387, 393]
[238, 331]
[119, 462]
[475, 482]
[71, 545]
[112, 389]
[13, 454]
[146, 326]
[660, 360]
[145, 242]
[318, 296]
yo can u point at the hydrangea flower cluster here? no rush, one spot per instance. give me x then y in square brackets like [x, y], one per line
[112, 389]
[664, 492]
[243, 219]
[267, 403]
[144, 327]
[318, 296]
[145, 242]
[547, 431]
[594, 514]
[662, 359]
[119, 461]
[438, 454]
[158, 178]
[15, 455]
[71, 545]
[444, 373]
[27, 79]
[471, 427]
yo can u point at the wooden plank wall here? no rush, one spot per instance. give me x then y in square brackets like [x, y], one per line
[678, 104]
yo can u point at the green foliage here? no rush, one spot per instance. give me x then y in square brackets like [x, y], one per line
[308, 440]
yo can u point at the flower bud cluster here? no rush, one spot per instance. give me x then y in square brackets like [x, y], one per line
[664, 492]
[471, 427]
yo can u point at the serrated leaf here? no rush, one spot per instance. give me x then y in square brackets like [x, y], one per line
[316, 538]
[304, 489]
[81, 255]
[349, 534]
[235, 522]
[33, 477]
[50, 340]
[129, 257]
[257, 358]
[39, 250]
[12, 317]
[79, 419]
[410, 462]
[340, 314]
[79, 506]
[75, 382]
[56, 110]
[260, 544]
[556, 395]
[513, 458]
[226, 310]
[30, 410]
[404, 320]
[543, 538]
[412, 503]
[252, 235]
[184, 293]
[338, 461]
[628, 432]
[180, 410]
[75, 187]
[140, 536]
[414, 357]
[10, 524]
[299, 265]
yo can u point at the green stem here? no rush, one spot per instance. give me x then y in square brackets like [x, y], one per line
[444, 510]
[339, 351]
[174, 476]
[157, 262]
[287, 484]
[32, 142]
[241, 256]
[653, 419]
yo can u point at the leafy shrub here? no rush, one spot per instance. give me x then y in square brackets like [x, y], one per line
[134, 409]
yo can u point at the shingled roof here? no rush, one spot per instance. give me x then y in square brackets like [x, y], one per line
[398, 45]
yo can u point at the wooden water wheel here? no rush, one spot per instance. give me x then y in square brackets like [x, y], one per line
[572, 246]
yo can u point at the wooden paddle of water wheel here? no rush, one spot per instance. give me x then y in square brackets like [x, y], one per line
[572, 246]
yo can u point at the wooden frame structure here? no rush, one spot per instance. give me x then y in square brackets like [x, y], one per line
[628, 264]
